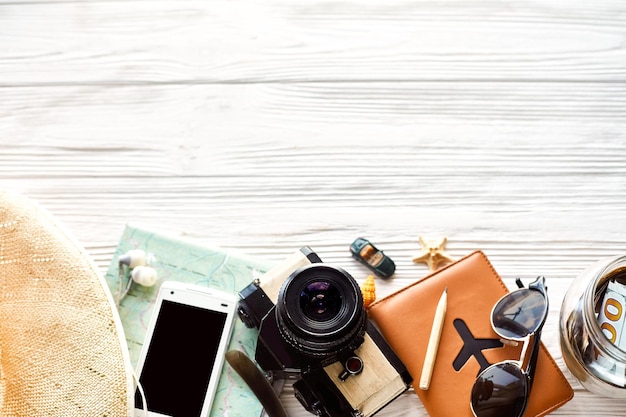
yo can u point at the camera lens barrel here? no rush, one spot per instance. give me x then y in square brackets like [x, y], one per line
[320, 311]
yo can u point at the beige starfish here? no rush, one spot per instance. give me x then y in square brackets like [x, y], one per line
[433, 253]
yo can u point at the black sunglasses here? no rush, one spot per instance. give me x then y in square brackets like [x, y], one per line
[502, 389]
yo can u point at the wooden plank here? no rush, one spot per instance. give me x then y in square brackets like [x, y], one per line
[442, 114]
[437, 156]
[269, 217]
[265, 169]
[221, 41]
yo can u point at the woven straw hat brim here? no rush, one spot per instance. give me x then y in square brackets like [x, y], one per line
[62, 347]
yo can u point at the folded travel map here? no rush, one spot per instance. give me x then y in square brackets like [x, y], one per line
[179, 259]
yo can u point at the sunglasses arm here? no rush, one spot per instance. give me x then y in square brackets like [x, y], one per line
[522, 357]
[540, 285]
[534, 354]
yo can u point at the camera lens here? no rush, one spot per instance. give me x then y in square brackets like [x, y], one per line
[320, 311]
[320, 301]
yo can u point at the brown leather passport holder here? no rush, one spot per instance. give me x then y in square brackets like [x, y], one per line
[468, 343]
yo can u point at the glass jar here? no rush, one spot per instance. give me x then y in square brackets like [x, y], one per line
[598, 364]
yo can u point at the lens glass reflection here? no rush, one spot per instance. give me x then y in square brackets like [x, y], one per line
[519, 313]
[320, 301]
[500, 391]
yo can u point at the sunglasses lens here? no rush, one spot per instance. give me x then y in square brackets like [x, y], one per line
[519, 313]
[500, 391]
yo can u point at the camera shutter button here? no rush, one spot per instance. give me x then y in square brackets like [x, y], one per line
[351, 366]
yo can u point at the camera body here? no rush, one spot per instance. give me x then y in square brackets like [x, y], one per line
[313, 327]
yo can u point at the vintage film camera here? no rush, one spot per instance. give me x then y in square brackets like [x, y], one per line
[313, 327]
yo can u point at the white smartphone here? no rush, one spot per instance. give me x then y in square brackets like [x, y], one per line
[181, 359]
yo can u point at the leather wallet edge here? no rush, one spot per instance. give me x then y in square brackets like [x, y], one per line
[437, 272]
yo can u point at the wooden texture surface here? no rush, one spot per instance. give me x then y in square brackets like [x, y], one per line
[264, 125]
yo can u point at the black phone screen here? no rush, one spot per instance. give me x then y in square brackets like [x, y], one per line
[180, 359]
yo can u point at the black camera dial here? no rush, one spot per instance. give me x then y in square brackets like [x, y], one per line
[351, 366]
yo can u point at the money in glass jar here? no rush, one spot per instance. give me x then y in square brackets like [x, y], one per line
[612, 314]
[598, 363]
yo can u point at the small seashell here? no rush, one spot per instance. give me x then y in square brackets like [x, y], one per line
[368, 289]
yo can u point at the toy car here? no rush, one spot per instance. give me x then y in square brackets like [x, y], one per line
[365, 252]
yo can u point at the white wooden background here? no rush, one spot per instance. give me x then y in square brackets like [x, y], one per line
[264, 125]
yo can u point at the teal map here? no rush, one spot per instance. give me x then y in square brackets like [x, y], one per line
[178, 259]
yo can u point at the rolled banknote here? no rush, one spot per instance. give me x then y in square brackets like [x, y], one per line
[612, 315]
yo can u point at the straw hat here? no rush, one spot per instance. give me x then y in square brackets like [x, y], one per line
[62, 347]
